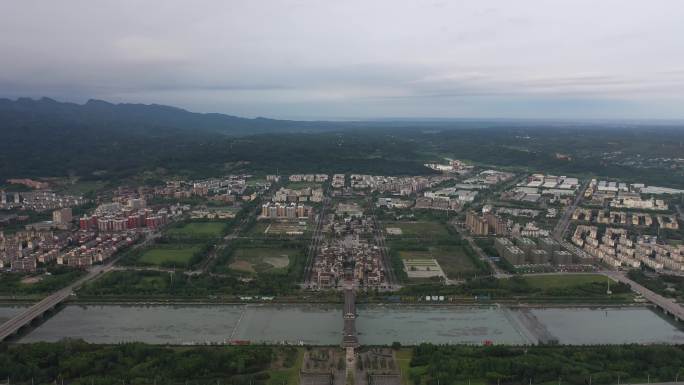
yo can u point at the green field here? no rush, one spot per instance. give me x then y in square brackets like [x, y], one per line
[75, 186]
[254, 181]
[403, 358]
[258, 229]
[452, 259]
[561, 281]
[301, 185]
[287, 376]
[262, 259]
[198, 229]
[169, 255]
[277, 229]
[422, 229]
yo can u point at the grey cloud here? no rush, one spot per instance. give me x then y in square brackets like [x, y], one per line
[286, 58]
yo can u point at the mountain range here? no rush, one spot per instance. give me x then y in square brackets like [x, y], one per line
[49, 114]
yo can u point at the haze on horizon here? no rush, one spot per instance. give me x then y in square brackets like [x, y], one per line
[577, 59]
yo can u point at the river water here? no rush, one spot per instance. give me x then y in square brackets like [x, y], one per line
[7, 312]
[376, 324]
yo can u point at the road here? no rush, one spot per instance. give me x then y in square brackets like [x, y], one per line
[13, 325]
[666, 304]
[316, 240]
[379, 237]
[562, 225]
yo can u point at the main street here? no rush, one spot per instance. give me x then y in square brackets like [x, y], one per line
[562, 225]
[379, 237]
[316, 240]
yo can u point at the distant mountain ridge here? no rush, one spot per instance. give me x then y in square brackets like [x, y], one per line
[126, 117]
[45, 137]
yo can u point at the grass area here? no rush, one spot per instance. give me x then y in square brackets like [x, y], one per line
[283, 228]
[403, 358]
[277, 228]
[453, 259]
[165, 255]
[301, 185]
[257, 230]
[198, 229]
[261, 259]
[421, 229]
[34, 284]
[255, 181]
[287, 376]
[79, 187]
[561, 281]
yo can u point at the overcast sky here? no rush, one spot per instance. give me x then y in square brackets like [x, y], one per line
[353, 58]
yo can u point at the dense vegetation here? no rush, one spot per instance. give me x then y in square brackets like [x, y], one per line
[663, 284]
[41, 136]
[433, 364]
[487, 246]
[564, 288]
[150, 284]
[22, 284]
[76, 362]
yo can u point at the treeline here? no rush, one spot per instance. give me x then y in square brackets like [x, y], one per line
[535, 147]
[487, 246]
[75, 362]
[666, 285]
[439, 364]
[394, 149]
[155, 284]
[202, 154]
[513, 287]
[58, 277]
[40, 136]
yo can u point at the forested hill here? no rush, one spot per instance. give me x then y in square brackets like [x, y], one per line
[43, 138]
[50, 116]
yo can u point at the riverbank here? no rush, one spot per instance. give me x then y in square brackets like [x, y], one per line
[164, 300]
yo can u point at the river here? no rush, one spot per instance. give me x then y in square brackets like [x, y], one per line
[376, 324]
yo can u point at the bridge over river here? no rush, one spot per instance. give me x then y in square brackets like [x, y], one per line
[49, 303]
[667, 305]
[14, 325]
[349, 338]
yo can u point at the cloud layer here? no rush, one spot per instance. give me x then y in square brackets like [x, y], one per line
[353, 59]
